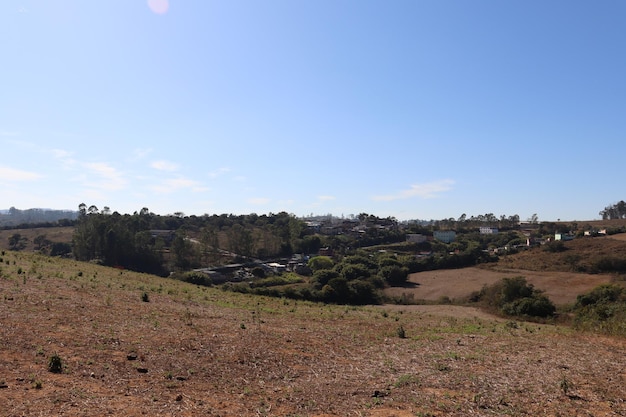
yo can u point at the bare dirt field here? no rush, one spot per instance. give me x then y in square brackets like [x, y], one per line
[183, 350]
[458, 284]
[619, 236]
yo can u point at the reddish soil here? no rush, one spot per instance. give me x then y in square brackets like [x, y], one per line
[192, 351]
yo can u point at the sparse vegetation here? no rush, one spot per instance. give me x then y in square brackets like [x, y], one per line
[447, 364]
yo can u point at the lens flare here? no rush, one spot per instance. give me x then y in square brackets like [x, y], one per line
[159, 6]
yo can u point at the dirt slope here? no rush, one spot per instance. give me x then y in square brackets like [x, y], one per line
[192, 351]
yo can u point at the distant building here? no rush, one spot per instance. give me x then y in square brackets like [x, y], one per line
[416, 238]
[445, 236]
[488, 230]
[563, 236]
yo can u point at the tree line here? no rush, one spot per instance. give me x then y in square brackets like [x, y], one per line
[153, 243]
[614, 211]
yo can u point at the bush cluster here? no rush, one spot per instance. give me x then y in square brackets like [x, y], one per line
[515, 297]
[602, 309]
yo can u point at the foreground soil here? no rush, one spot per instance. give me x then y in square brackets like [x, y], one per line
[188, 351]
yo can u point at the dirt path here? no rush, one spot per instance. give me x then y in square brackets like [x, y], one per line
[561, 287]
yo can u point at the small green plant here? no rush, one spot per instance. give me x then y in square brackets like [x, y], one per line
[37, 384]
[406, 380]
[401, 332]
[565, 385]
[242, 326]
[145, 297]
[55, 364]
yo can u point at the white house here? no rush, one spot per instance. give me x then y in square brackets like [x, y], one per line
[563, 236]
[488, 230]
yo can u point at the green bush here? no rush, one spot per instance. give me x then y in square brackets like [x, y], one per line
[537, 306]
[55, 364]
[196, 278]
[602, 309]
[515, 297]
[322, 276]
[394, 274]
[317, 263]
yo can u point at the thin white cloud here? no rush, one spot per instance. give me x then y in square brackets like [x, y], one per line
[60, 153]
[12, 174]
[171, 185]
[218, 172]
[163, 165]
[325, 197]
[110, 178]
[426, 191]
[259, 201]
[65, 157]
[141, 153]
[5, 133]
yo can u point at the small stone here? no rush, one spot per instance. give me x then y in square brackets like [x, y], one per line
[142, 370]
[131, 356]
[179, 397]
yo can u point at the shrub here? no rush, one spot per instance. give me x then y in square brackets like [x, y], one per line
[515, 297]
[55, 364]
[401, 332]
[602, 309]
[145, 297]
[197, 278]
[537, 306]
[394, 274]
[610, 264]
[554, 246]
[606, 293]
[322, 276]
[317, 263]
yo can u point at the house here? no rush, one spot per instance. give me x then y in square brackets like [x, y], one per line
[445, 236]
[563, 236]
[488, 230]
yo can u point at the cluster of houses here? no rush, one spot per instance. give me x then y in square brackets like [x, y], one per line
[449, 236]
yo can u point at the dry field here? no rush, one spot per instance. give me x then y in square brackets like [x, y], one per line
[457, 284]
[54, 234]
[550, 272]
[193, 351]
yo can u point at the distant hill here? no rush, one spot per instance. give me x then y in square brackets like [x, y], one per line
[13, 217]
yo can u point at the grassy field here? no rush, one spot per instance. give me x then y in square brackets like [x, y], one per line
[134, 344]
[54, 234]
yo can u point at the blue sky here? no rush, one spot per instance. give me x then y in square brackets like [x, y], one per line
[413, 109]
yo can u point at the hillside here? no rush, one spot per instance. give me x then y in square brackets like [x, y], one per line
[553, 272]
[578, 254]
[190, 351]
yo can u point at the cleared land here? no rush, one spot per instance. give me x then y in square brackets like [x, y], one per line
[458, 284]
[192, 351]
